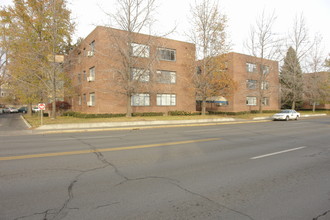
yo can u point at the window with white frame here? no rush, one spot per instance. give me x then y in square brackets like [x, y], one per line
[92, 100]
[251, 100]
[140, 50]
[264, 69]
[164, 76]
[141, 75]
[79, 100]
[251, 67]
[251, 84]
[91, 74]
[166, 54]
[166, 99]
[265, 101]
[141, 99]
[264, 85]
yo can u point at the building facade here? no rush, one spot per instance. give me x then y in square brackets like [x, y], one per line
[257, 82]
[112, 70]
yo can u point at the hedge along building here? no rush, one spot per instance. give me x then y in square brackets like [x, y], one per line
[257, 82]
[114, 72]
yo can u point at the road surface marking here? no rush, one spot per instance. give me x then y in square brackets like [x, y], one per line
[104, 149]
[279, 152]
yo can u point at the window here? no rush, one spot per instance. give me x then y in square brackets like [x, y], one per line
[84, 98]
[265, 101]
[140, 50]
[166, 54]
[264, 85]
[79, 78]
[92, 45]
[84, 75]
[141, 75]
[251, 67]
[140, 100]
[91, 74]
[91, 99]
[79, 100]
[264, 69]
[251, 84]
[168, 77]
[250, 100]
[166, 99]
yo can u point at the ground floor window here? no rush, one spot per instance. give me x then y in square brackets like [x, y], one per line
[166, 99]
[265, 101]
[251, 100]
[140, 100]
[91, 99]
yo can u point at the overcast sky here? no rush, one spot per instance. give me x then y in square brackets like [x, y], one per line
[241, 15]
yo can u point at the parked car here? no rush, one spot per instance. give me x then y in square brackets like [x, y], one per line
[10, 110]
[286, 115]
[23, 109]
[35, 109]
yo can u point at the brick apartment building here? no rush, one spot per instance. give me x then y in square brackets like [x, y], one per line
[252, 76]
[161, 73]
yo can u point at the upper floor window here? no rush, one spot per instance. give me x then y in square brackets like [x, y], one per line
[91, 74]
[168, 77]
[264, 85]
[140, 100]
[141, 75]
[251, 67]
[166, 54]
[140, 50]
[92, 46]
[251, 84]
[264, 69]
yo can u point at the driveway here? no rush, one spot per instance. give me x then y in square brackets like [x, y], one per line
[12, 124]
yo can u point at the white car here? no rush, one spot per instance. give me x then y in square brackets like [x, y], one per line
[286, 115]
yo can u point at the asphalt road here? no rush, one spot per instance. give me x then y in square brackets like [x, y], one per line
[260, 171]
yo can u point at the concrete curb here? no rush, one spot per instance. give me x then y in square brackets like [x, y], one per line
[128, 124]
[25, 121]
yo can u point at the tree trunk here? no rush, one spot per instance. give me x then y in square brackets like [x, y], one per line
[128, 107]
[293, 105]
[204, 106]
[314, 105]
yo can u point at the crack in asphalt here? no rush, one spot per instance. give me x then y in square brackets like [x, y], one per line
[319, 216]
[62, 213]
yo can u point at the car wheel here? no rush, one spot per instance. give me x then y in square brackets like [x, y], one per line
[287, 118]
[297, 117]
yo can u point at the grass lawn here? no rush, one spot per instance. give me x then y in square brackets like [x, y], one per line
[34, 120]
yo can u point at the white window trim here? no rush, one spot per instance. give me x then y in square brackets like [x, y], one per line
[141, 75]
[251, 67]
[164, 75]
[251, 100]
[140, 99]
[164, 58]
[166, 99]
[140, 50]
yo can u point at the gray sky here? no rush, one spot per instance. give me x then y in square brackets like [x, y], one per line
[241, 15]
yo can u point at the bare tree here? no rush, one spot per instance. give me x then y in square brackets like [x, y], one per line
[131, 48]
[263, 43]
[209, 35]
[316, 86]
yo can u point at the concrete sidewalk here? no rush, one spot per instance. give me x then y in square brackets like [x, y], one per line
[104, 126]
